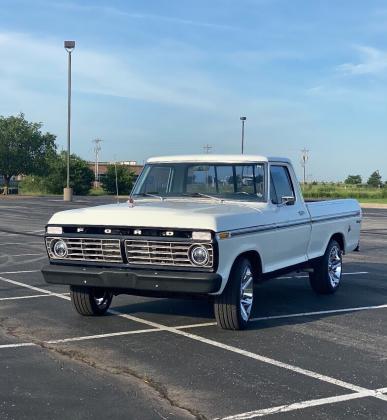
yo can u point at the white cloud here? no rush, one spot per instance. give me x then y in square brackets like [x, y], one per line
[373, 62]
[40, 64]
[116, 12]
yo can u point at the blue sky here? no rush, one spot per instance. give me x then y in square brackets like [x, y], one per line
[157, 77]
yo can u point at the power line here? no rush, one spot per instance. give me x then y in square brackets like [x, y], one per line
[207, 148]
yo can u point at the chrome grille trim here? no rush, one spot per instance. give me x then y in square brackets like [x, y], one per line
[149, 252]
[88, 249]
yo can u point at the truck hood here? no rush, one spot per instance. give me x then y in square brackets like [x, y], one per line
[171, 213]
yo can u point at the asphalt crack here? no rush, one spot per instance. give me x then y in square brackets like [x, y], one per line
[158, 388]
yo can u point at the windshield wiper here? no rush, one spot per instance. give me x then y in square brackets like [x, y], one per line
[151, 195]
[198, 194]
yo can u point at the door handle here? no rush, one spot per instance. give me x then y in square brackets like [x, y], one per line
[301, 212]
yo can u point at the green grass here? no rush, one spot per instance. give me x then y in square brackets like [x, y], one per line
[373, 200]
[360, 192]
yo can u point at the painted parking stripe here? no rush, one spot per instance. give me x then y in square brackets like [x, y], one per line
[20, 272]
[93, 337]
[304, 404]
[11, 346]
[29, 297]
[36, 289]
[217, 344]
[306, 276]
[107, 335]
[27, 255]
[255, 356]
[198, 325]
[21, 243]
[331, 311]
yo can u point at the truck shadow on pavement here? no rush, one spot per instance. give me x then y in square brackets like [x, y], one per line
[278, 297]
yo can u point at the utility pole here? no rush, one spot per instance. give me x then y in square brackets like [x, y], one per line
[304, 160]
[243, 119]
[97, 149]
[207, 148]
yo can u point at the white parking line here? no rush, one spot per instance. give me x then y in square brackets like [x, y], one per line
[304, 404]
[355, 273]
[26, 255]
[11, 346]
[107, 335]
[331, 311]
[29, 297]
[217, 344]
[93, 337]
[20, 272]
[36, 289]
[255, 356]
[21, 243]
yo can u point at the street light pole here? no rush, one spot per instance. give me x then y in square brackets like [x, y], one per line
[243, 119]
[68, 192]
[304, 160]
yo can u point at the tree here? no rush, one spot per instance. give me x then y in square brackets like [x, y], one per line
[23, 148]
[81, 176]
[353, 180]
[125, 179]
[375, 180]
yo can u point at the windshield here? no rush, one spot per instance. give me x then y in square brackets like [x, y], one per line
[224, 181]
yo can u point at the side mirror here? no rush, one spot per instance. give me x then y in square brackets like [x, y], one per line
[288, 200]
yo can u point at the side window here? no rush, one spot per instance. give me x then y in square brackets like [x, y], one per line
[281, 184]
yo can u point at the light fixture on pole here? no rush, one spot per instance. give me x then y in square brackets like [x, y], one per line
[243, 119]
[68, 192]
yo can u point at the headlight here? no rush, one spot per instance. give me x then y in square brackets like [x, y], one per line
[198, 254]
[60, 249]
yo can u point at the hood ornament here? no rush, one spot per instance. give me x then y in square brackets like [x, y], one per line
[131, 201]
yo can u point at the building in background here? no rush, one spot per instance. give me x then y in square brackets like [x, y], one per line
[102, 168]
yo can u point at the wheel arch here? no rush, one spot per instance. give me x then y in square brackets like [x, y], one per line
[340, 239]
[255, 260]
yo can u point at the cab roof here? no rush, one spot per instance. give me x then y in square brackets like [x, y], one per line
[216, 159]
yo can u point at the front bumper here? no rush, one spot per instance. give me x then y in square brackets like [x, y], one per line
[137, 280]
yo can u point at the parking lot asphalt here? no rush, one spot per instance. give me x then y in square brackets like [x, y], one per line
[303, 356]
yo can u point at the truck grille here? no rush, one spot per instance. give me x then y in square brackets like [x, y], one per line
[163, 253]
[88, 249]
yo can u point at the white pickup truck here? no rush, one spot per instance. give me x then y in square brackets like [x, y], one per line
[208, 224]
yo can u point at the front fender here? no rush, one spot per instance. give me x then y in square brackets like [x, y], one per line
[229, 250]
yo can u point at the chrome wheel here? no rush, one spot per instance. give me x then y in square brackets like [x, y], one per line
[246, 294]
[335, 266]
[101, 297]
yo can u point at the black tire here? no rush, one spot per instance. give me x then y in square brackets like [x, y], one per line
[90, 301]
[325, 280]
[228, 306]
